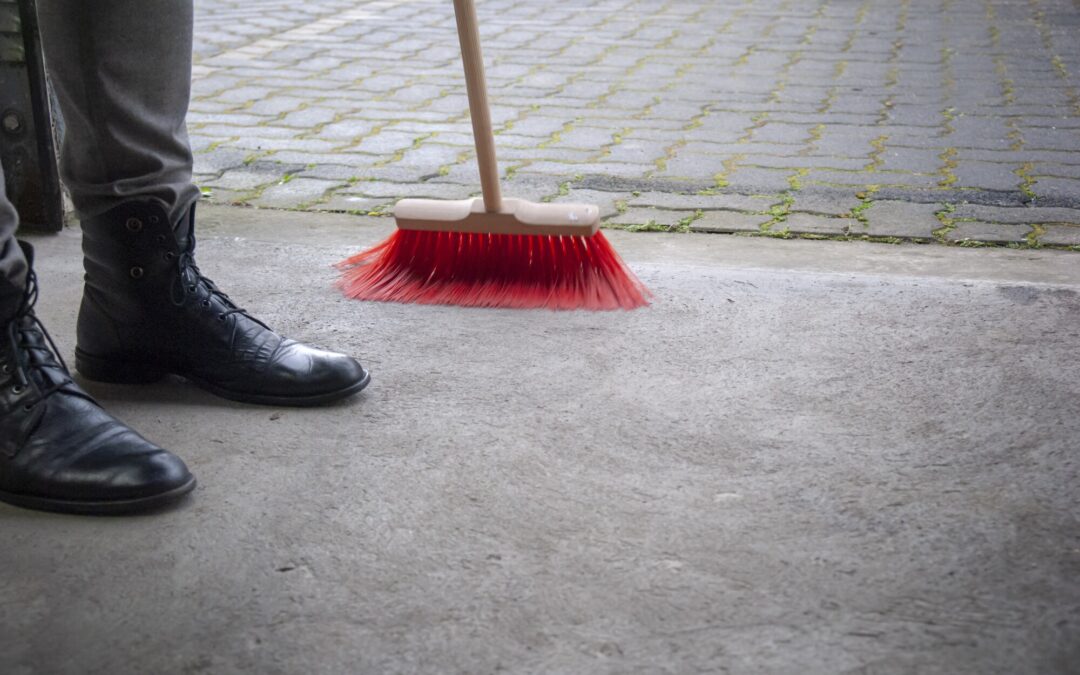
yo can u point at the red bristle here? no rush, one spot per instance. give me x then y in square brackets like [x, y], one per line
[493, 270]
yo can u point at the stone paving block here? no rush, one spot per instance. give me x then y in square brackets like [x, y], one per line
[512, 140]
[757, 181]
[308, 117]
[218, 159]
[919, 160]
[605, 201]
[345, 130]
[747, 149]
[805, 162]
[1061, 235]
[1054, 170]
[586, 137]
[1020, 216]
[224, 195]
[1052, 138]
[554, 154]
[226, 118]
[827, 204]
[275, 105]
[245, 136]
[345, 203]
[293, 193]
[729, 221]
[396, 191]
[335, 172]
[989, 232]
[1060, 118]
[535, 126]
[916, 115]
[464, 173]
[900, 219]
[429, 156]
[313, 145]
[206, 107]
[398, 174]
[693, 202]
[642, 217]
[1067, 188]
[385, 143]
[645, 135]
[211, 84]
[986, 175]
[416, 93]
[242, 180]
[638, 152]
[865, 178]
[1018, 157]
[572, 169]
[239, 95]
[805, 223]
[200, 144]
[779, 132]
[533, 187]
[631, 100]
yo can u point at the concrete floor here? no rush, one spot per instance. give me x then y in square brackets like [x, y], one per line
[804, 457]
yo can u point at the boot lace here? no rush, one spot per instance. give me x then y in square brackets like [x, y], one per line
[192, 283]
[32, 349]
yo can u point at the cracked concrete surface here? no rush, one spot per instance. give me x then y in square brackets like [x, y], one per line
[804, 457]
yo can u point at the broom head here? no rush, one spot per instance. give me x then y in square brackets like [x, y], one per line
[525, 255]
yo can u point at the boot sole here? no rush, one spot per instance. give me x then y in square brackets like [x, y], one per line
[103, 508]
[294, 401]
[120, 372]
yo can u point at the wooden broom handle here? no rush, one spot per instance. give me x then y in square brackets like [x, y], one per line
[473, 59]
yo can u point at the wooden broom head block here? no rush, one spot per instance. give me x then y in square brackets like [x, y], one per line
[517, 216]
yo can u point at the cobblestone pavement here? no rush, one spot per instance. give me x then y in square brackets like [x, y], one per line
[949, 120]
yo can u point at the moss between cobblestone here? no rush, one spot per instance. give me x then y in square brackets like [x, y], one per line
[1026, 180]
[948, 223]
[1032, 238]
[949, 163]
[779, 213]
[867, 199]
[859, 212]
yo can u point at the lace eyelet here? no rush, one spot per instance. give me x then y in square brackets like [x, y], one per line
[5, 369]
[191, 288]
[18, 389]
[205, 303]
[28, 407]
[169, 256]
[221, 317]
[134, 225]
[137, 272]
[161, 239]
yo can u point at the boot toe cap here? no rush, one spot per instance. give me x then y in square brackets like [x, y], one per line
[80, 459]
[301, 371]
[126, 468]
[152, 473]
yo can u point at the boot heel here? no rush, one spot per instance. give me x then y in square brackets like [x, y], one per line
[97, 369]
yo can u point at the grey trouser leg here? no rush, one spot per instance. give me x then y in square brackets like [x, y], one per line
[121, 70]
[12, 263]
[122, 73]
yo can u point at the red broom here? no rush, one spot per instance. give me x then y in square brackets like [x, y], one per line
[492, 252]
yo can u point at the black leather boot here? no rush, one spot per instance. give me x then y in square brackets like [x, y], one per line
[59, 451]
[148, 311]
